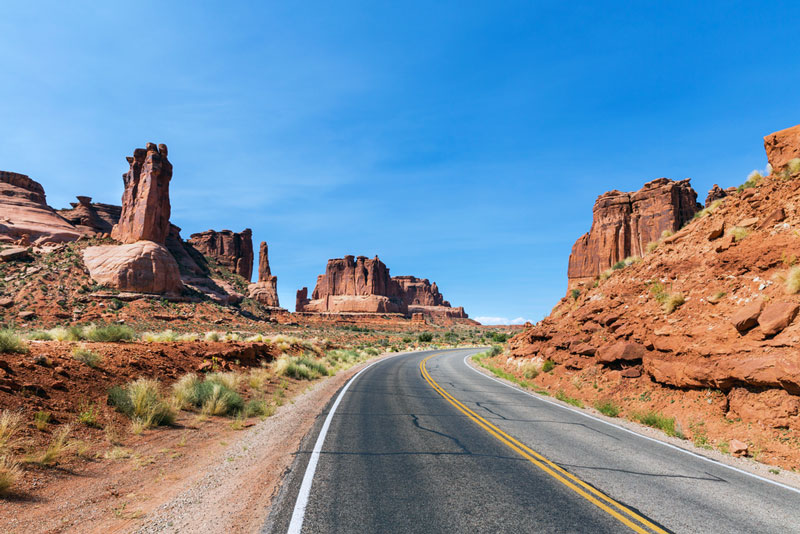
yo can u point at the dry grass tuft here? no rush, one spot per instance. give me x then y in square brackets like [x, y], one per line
[793, 280]
[10, 425]
[57, 447]
[9, 474]
[673, 301]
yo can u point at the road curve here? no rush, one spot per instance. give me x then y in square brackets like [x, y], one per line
[424, 443]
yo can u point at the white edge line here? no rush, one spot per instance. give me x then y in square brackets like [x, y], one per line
[654, 440]
[299, 512]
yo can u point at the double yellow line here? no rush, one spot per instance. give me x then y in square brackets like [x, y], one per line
[636, 522]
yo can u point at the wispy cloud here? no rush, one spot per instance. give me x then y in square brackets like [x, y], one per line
[501, 320]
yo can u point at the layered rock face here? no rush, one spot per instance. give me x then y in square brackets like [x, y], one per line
[715, 193]
[624, 223]
[143, 264]
[145, 202]
[24, 212]
[782, 147]
[230, 249]
[422, 296]
[354, 285]
[265, 291]
[92, 218]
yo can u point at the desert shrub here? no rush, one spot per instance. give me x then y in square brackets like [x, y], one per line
[530, 370]
[575, 293]
[184, 391]
[229, 380]
[86, 356]
[752, 180]
[301, 368]
[258, 378]
[740, 233]
[41, 419]
[651, 246]
[217, 399]
[563, 397]
[793, 166]
[793, 280]
[667, 233]
[337, 356]
[109, 334]
[630, 260]
[619, 265]
[40, 335]
[708, 210]
[656, 420]
[87, 415]
[716, 297]
[372, 351]
[495, 350]
[9, 474]
[212, 336]
[258, 408]
[498, 337]
[12, 343]
[672, 302]
[55, 449]
[72, 333]
[167, 336]
[548, 366]
[425, 337]
[607, 407]
[141, 400]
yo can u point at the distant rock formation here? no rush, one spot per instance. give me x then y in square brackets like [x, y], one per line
[24, 213]
[624, 223]
[92, 218]
[354, 285]
[363, 285]
[142, 264]
[232, 250]
[782, 147]
[265, 291]
[145, 202]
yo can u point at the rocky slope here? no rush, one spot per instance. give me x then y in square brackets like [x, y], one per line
[707, 317]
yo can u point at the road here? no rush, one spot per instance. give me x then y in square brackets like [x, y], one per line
[425, 443]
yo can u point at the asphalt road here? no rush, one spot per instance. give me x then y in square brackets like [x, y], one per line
[440, 447]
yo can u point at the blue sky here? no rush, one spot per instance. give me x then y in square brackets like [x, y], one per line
[460, 141]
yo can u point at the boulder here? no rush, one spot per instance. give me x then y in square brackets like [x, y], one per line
[13, 254]
[632, 372]
[715, 193]
[747, 317]
[624, 223]
[141, 267]
[145, 201]
[716, 231]
[773, 218]
[24, 212]
[782, 147]
[777, 316]
[627, 351]
[232, 250]
[584, 349]
[738, 448]
[747, 223]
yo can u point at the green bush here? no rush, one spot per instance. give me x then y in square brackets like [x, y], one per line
[109, 334]
[607, 407]
[141, 400]
[656, 420]
[301, 368]
[548, 366]
[83, 355]
[575, 293]
[425, 337]
[12, 343]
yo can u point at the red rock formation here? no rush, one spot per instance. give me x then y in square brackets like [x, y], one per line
[420, 292]
[230, 249]
[715, 193]
[265, 291]
[145, 202]
[92, 218]
[24, 212]
[141, 267]
[782, 147]
[352, 285]
[624, 223]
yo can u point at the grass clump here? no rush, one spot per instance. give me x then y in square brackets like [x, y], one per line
[651, 246]
[739, 233]
[258, 408]
[167, 336]
[793, 166]
[40, 335]
[141, 400]
[708, 210]
[56, 448]
[88, 357]
[661, 422]
[301, 368]
[672, 302]
[216, 395]
[10, 425]
[752, 180]
[716, 297]
[563, 397]
[12, 343]
[607, 407]
[575, 293]
[793, 281]
[619, 265]
[212, 336]
[530, 370]
[548, 366]
[41, 420]
[9, 474]
[87, 415]
[108, 334]
[667, 233]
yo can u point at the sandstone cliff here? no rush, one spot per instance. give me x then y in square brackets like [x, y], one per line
[24, 213]
[624, 223]
[92, 219]
[232, 250]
